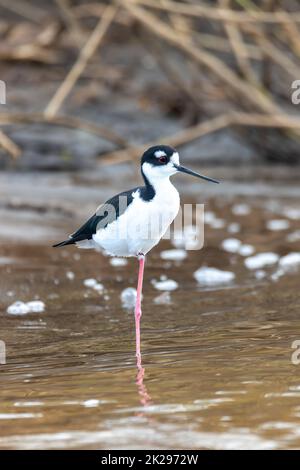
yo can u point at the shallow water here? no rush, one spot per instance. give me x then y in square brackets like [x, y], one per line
[217, 370]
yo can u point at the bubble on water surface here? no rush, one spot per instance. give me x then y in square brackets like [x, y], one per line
[163, 299]
[36, 306]
[290, 261]
[90, 282]
[165, 285]
[276, 225]
[94, 284]
[118, 262]
[261, 260]
[28, 403]
[91, 403]
[212, 276]
[128, 297]
[234, 227]
[209, 217]
[232, 245]
[260, 274]
[18, 308]
[20, 415]
[218, 224]
[241, 209]
[22, 308]
[293, 236]
[70, 275]
[173, 255]
[292, 213]
[246, 250]
[188, 238]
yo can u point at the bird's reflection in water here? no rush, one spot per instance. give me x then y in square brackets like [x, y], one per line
[145, 398]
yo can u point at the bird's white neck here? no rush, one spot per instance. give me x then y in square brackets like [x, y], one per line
[158, 177]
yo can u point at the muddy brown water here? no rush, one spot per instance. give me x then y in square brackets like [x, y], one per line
[217, 369]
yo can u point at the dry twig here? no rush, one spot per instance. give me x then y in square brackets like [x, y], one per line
[243, 89]
[207, 127]
[220, 14]
[66, 121]
[9, 146]
[85, 54]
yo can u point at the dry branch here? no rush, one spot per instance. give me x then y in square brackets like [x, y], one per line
[71, 20]
[238, 47]
[220, 14]
[204, 128]
[9, 146]
[24, 9]
[65, 121]
[242, 88]
[85, 54]
[273, 52]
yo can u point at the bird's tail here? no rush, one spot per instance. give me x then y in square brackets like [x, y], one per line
[64, 243]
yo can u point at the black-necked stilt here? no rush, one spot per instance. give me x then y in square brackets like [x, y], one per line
[133, 222]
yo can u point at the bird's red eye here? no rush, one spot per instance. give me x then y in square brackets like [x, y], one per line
[162, 159]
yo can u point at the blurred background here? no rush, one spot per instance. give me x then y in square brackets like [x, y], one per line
[87, 79]
[86, 87]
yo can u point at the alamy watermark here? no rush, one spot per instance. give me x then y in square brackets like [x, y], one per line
[2, 352]
[2, 92]
[295, 357]
[295, 97]
[187, 230]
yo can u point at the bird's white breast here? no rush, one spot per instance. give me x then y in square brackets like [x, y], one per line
[143, 223]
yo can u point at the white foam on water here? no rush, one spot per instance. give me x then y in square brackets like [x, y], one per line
[241, 209]
[36, 306]
[212, 276]
[18, 308]
[93, 284]
[188, 238]
[292, 260]
[4, 260]
[128, 297]
[246, 250]
[173, 255]
[279, 273]
[70, 275]
[28, 403]
[260, 274]
[232, 245]
[234, 227]
[261, 260]
[165, 285]
[92, 403]
[118, 262]
[98, 287]
[163, 299]
[293, 236]
[277, 224]
[218, 224]
[20, 415]
[209, 217]
[90, 282]
[292, 213]
[23, 308]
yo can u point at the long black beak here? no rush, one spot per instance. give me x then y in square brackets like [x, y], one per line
[182, 169]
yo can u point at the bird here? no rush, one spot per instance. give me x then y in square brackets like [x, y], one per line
[132, 222]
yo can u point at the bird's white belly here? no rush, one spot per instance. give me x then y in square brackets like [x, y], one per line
[141, 226]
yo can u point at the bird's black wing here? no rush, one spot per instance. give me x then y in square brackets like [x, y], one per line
[104, 215]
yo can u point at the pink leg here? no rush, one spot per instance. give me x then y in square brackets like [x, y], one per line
[138, 309]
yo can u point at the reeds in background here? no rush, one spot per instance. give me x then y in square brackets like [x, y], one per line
[228, 63]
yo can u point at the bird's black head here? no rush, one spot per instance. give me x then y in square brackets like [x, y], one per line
[158, 155]
[160, 162]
